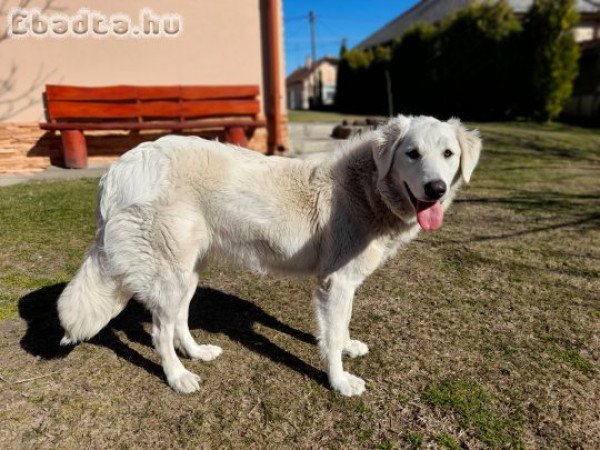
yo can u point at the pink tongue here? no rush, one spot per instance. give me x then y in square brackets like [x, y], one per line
[430, 215]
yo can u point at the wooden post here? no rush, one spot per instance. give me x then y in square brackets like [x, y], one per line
[74, 149]
[275, 141]
[236, 136]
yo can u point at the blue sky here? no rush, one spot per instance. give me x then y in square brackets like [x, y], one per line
[336, 19]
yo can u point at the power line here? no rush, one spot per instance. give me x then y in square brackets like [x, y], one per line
[321, 41]
[295, 44]
[348, 20]
[293, 32]
[294, 18]
[340, 36]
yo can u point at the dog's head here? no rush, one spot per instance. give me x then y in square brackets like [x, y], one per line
[420, 163]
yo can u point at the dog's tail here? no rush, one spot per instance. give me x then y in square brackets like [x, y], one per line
[90, 300]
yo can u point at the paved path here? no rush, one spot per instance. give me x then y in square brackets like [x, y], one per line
[305, 139]
[55, 173]
[308, 138]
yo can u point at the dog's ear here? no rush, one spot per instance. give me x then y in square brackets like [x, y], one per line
[387, 139]
[470, 148]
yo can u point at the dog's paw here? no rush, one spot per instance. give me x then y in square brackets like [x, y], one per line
[185, 382]
[204, 352]
[67, 341]
[355, 348]
[348, 385]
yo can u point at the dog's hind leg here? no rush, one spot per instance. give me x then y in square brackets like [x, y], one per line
[184, 341]
[156, 253]
[171, 291]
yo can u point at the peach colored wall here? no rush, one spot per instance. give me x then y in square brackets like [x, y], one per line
[220, 44]
[299, 93]
[328, 72]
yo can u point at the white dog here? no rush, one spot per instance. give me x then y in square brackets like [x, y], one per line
[168, 207]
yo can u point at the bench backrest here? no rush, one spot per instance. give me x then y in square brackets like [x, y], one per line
[147, 103]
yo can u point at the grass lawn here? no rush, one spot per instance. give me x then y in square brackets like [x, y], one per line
[483, 335]
[323, 116]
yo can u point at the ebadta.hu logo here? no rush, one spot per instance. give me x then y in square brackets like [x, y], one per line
[33, 22]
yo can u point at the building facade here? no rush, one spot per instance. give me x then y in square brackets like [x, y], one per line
[218, 43]
[314, 85]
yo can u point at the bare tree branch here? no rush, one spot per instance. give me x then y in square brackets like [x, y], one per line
[45, 7]
[7, 84]
[11, 105]
[12, 101]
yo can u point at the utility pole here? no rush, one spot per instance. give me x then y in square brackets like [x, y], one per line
[313, 40]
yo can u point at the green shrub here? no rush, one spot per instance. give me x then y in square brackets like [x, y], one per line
[553, 56]
[413, 70]
[479, 63]
[361, 80]
[475, 62]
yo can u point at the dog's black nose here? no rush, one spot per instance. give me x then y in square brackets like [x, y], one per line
[434, 190]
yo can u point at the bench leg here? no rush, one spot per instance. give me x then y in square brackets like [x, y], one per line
[74, 149]
[236, 136]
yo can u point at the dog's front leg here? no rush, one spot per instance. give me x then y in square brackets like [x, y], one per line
[333, 304]
[353, 347]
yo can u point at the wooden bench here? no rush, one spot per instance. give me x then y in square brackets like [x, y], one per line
[73, 109]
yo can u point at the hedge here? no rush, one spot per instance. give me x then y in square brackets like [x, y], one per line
[480, 63]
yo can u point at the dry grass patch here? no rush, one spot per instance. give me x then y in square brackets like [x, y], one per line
[483, 335]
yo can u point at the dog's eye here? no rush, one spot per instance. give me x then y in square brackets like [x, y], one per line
[448, 153]
[413, 154]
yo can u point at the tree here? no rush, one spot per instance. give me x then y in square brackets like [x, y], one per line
[475, 59]
[479, 63]
[413, 70]
[352, 89]
[460, 66]
[343, 48]
[553, 54]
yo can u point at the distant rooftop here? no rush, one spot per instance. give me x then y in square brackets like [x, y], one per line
[431, 11]
[303, 72]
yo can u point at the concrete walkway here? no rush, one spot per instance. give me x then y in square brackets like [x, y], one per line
[55, 173]
[308, 138]
[305, 139]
